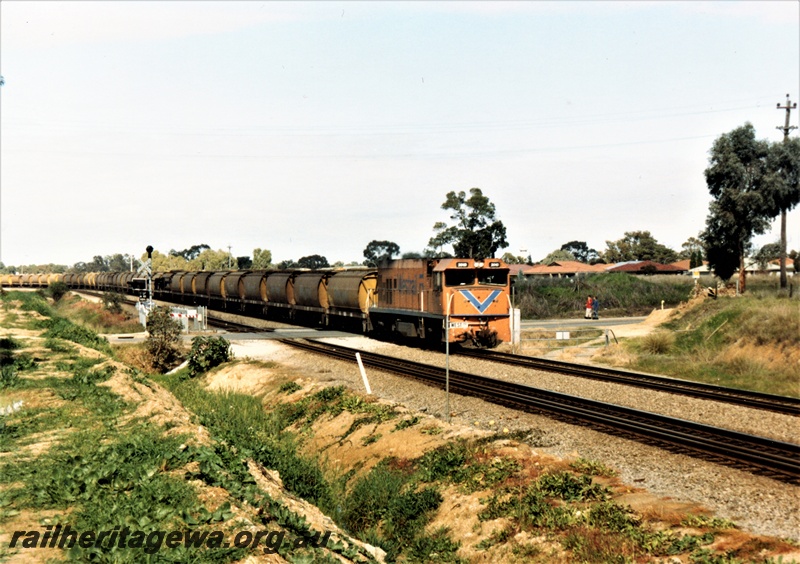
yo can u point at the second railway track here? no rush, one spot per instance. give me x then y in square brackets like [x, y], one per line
[776, 459]
[742, 398]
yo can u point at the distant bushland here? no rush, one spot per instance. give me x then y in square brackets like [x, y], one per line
[619, 294]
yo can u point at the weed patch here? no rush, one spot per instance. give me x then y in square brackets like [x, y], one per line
[659, 342]
[406, 423]
[591, 526]
[289, 387]
[467, 463]
[62, 328]
[241, 420]
[101, 318]
[592, 468]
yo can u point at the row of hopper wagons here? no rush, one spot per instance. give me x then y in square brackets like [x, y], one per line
[306, 297]
[407, 298]
[346, 293]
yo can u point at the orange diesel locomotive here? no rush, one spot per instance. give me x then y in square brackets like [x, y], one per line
[463, 300]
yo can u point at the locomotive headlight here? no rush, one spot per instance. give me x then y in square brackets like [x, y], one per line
[478, 264]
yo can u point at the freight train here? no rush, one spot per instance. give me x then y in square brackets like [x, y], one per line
[463, 301]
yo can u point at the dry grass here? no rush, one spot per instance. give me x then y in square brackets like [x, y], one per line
[135, 356]
[743, 342]
[658, 342]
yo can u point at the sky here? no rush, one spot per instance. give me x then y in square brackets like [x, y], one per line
[316, 127]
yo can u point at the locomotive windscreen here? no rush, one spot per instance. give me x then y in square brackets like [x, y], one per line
[492, 277]
[460, 277]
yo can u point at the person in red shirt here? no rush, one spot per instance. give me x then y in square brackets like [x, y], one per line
[589, 303]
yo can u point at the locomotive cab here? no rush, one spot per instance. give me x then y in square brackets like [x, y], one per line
[475, 300]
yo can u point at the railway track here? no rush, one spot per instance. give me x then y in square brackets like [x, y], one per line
[742, 398]
[776, 459]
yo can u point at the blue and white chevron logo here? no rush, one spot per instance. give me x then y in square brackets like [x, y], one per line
[480, 305]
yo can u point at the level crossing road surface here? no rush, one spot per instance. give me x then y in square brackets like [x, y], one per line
[601, 323]
[283, 333]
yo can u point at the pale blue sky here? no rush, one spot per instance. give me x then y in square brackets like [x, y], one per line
[314, 128]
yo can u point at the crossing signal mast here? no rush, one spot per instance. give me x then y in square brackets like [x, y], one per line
[143, 284]
[149, 271]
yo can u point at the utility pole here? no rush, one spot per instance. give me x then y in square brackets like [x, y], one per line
[786, 129]
[230, 256]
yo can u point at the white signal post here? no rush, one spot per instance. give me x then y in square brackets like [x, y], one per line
[447, 357]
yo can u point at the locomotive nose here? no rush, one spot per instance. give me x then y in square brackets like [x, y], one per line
[477, 301]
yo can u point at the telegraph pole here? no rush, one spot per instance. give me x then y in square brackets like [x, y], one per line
[786, 129]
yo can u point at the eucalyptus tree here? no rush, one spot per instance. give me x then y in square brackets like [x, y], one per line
[638, 245]
[559, 255]
[581, 251]
[313, 262]
[737, 180]
[380, 251]
[477, 233]
[783, 184]
[262, 259]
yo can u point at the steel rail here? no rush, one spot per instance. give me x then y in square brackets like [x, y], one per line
[761, 455]
[745, 398]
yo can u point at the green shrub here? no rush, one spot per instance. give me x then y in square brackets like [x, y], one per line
[592, 468]
[164, 334]
[61, 328]
[369, 500]
[7, 346]
[569, 487]
[57, 290]
[444, 462]
[112, 301]
[436, 547]
[8, 376]
[30, 301]
[409, 512]
[9, 343]
[58, 345]
[290, 387]
[208, 352]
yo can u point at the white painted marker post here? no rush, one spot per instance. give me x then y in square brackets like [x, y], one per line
[363, 373]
